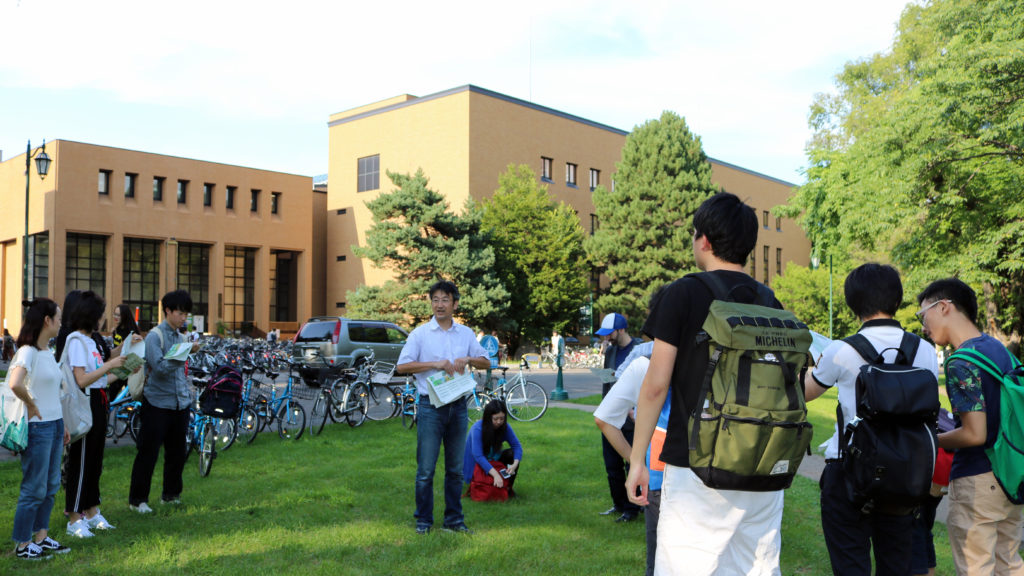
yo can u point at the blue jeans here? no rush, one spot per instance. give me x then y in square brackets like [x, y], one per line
[446, 424]
[40, 469]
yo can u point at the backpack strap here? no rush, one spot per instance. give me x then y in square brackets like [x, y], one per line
[863, 346]
[763, 295]
[703, 396]
[908, 348]
[978, 359]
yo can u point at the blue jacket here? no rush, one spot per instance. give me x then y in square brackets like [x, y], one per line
[475, 450]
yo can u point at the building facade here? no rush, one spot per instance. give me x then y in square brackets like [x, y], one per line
[464, 138]
[133, 225]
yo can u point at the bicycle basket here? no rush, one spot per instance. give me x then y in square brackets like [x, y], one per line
[382, 373]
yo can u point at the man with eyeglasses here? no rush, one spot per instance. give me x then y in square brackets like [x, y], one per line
[873, 292]
[984, 525]
[440, 345]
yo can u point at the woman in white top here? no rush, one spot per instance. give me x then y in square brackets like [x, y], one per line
[35, 379]
[85, 456]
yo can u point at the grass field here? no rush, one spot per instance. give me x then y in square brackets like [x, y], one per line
[342, 503]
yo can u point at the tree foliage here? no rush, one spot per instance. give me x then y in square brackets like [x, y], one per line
[416, 236]
[805, 293]
[538, 248]
[918, 160]
[643, 239]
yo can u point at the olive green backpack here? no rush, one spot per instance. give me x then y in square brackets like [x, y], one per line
[749, 429]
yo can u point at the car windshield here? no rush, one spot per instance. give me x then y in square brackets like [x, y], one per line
[317, 331]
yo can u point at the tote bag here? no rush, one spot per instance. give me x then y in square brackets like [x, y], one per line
[13, 417]
[73, 400]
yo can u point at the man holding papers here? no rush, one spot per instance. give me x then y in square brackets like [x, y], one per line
[439, 353]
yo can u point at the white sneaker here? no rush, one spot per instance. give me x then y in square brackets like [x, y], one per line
[80, 529]
[142, 508]
[98, 522]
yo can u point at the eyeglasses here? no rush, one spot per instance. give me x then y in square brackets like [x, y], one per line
[441, 301]
[920, 313]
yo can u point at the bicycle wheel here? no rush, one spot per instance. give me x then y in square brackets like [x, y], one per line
[265, 416]
[356, 403]
[227, 431]
[135, 426]
[291, 420]
[396, 400]
[207, 447]
[526, 401]
[475, 403]
[318, 414]
[378, 404]
[190, 434]
[409, 411]
[249, 425]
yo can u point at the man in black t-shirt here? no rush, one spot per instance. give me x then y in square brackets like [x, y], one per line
[702, 530]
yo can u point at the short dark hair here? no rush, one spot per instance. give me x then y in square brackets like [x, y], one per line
[730, 226]
[446, 287]
[176, 300]
[872, 288]
[87, 312]
[956, 291]
[36, 313]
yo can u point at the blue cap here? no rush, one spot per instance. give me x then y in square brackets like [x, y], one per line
[611, 323]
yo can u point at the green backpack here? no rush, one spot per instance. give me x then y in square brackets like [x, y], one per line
[749, 429]
[1007, 454]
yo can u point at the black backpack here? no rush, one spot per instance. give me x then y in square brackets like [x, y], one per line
[888, 451]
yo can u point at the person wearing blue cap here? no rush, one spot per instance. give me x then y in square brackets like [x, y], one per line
[616, 347]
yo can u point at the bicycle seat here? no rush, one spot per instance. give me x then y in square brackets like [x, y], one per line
[504, 370]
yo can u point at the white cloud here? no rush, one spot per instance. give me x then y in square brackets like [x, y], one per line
[743, 73]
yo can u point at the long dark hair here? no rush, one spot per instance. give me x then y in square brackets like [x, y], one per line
[70, 301]
[492, 438]
[35, 318]
[127, 323]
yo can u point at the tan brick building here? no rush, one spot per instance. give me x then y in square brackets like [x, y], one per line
[133, 225]
[465, 137]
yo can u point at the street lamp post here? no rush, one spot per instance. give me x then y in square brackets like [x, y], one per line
[43, 168]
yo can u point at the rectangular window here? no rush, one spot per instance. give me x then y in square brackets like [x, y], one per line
[85, 263]
[753, 264]
[129, 184]
[593, 224]
[778, 224]
[570, 174]
[182, 191]
[545, 168]
[229, 197]
[778, 260]
[595, 178]
[38, 265]
[342, 211]
[239, 286]
[275, 202]
[339, 304]
[254, 200]
[158, 188]
[194, 276]
[104, 182]
[368, 173]
[765, 263]
[283, 269]
[764, 220]
[141, 285]
[207, 194]
[341, 258]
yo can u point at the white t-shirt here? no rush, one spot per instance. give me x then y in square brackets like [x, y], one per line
[82, 352]
[840, 364]
[42, 380]
[622, 397]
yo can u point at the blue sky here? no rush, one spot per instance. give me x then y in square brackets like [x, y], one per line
[252, 83]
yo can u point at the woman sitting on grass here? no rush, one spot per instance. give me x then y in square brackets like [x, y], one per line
[485, 442]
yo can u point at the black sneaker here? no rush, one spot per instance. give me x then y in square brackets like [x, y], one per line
[30, 552]
[423, 528]
[51, 546]
[460, 528]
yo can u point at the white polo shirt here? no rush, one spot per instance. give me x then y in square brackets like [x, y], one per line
[621, 398]
[840, 364]
[429, 342]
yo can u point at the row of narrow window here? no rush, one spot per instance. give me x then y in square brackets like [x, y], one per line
[131, 183]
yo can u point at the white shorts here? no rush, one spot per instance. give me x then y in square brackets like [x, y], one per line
[707, 531]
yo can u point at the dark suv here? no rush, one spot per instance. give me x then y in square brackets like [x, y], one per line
[345, 342]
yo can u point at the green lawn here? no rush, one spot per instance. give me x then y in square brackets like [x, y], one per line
[342, 503]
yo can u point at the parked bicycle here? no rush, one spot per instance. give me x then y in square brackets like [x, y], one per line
[345, 399]
[525, 400]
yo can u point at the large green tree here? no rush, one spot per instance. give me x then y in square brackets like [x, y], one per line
[643, 239]
[539, 257]
[917, 159]
[417, 237]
